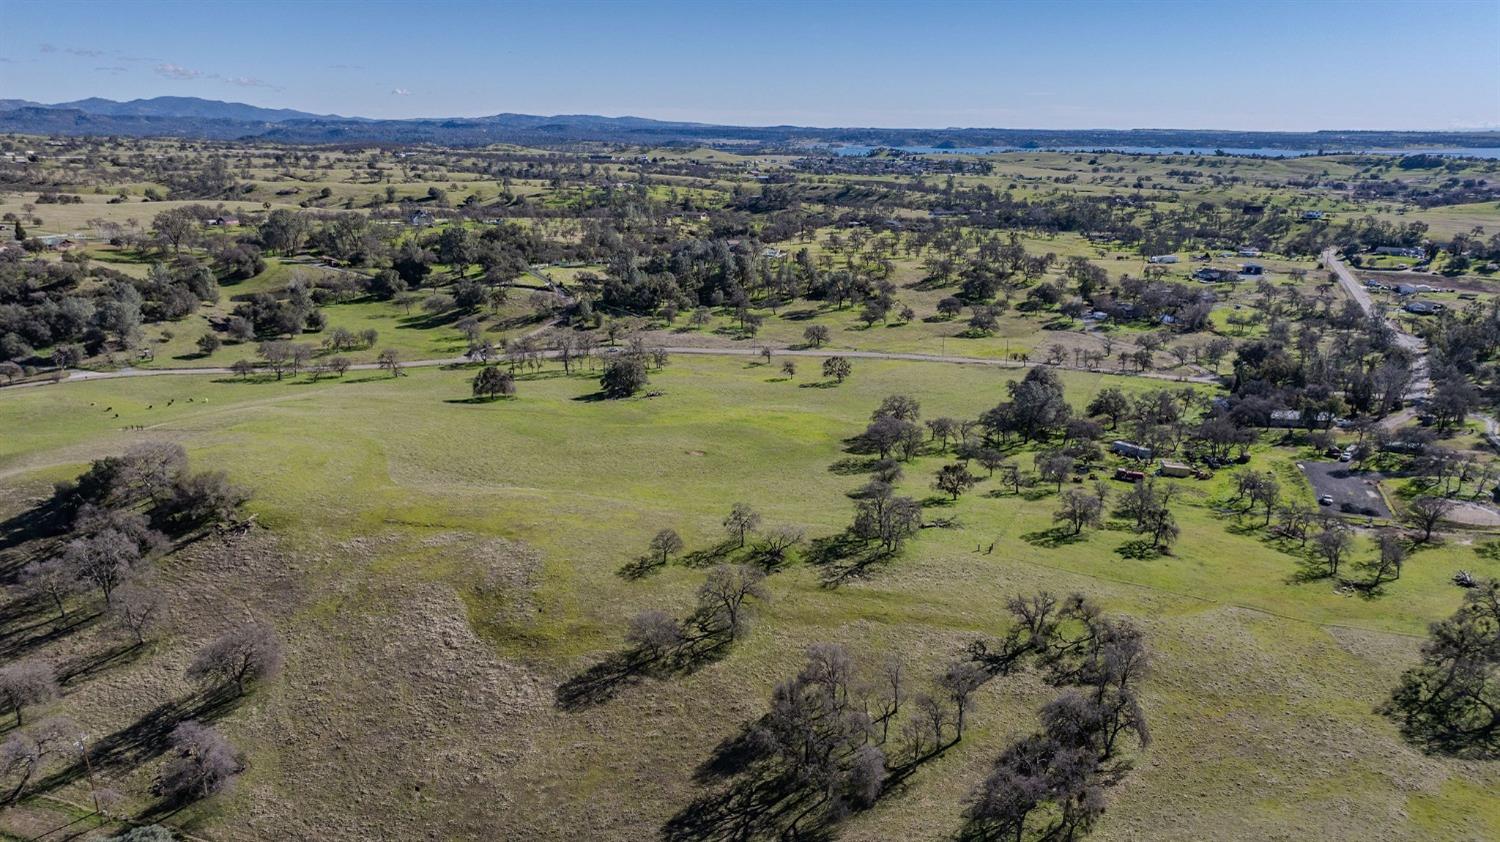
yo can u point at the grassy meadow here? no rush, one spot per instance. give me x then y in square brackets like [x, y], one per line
[437, 567]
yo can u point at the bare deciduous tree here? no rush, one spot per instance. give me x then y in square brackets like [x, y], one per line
[54, 579]
[722, 597]
[741, 521]
[203, 763]
[1425, 513]
[240, 656]
[655, 632]
[26, 683]
[665, 544]
[138, 608]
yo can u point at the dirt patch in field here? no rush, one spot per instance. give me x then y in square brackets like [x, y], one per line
[397, 722]
[1468, 513]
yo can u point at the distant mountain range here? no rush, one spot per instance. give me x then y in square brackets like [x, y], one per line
[192, 117]
[174, 106]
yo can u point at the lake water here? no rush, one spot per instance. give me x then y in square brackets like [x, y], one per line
[856, 150]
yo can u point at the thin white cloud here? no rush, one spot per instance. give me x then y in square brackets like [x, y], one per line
[72, 51]
[400, 92]
[109, 70]
[250, 82]
[176, 71]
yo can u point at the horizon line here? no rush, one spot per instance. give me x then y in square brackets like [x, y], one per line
[1491, 129]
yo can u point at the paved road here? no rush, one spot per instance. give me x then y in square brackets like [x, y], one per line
[1421, 382]
[79, 376]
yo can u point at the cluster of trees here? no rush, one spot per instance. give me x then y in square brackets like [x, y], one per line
[124, 507]
[1326, 536]
[722, 614]
[292, 312]
[626, 372]
[79, 310]
[838, 734]
[1052, 784]
[121, 512]
[769, 548]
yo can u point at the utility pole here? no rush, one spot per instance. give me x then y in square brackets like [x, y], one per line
[88, 764]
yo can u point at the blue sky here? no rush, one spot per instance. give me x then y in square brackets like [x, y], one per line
[1400, 64]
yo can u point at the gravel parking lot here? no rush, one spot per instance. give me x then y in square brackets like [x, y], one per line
[1352, 492]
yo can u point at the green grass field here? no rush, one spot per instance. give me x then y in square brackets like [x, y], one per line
[437, 567]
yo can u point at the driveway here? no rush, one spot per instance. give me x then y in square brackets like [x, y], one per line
[1352, 492]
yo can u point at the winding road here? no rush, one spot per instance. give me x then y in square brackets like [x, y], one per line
[1421, 381]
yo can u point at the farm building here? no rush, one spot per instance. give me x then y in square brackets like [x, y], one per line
[1130, 449]
[1423, 308]
[1175, 469]
[1400, 251]
[1413, 289]
[1213, 275]
[1162, 258]
[57, 242]
[1289, 418]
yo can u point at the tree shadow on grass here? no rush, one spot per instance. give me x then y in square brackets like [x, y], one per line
[732, 756]
[618, 670]
[20, 642]
[480, 401]
[1426, 726]
[819, 384]
[88, 666]
[1242, 527]
[47, 520]
[428, 322]
[1139, 550]
[639, 568]
[145, 739]
[755, 797]
[843, 557]
[752, 808]
[1309, 569]
[1057, 536]
[716, 554]
[853, 465]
